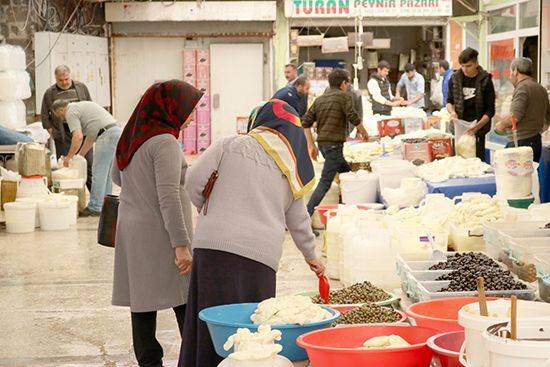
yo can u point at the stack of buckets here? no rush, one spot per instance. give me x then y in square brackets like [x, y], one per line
[483, 349]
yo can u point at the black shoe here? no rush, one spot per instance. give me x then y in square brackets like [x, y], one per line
[87, 212]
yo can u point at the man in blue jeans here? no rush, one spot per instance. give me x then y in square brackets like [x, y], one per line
[331, 111]
[89, 119]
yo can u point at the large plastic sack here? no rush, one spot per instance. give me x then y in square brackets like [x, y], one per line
[12, 58]
[466, 146]
[13, 114]
[14, 85]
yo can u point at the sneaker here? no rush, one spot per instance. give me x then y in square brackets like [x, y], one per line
[87, 212]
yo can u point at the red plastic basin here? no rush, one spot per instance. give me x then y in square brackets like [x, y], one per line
[339, 346]
[440, 314]
[446, 348]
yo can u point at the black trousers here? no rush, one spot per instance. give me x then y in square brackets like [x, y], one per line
[148, 350]
[219, 278]
[62, 147]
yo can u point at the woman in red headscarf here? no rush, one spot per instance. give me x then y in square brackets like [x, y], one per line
[152, 248]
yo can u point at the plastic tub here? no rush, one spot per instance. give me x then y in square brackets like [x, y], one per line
[392, 171]
[464, 239]
[341, 346]
[446, 348]
[20, 217]
[388, 302]
[36, 201]
[54, 215]
[73, 199]
[519, 353]
[358, 188]
[439, 314]
[223, 321]
[474, 324]
[430, 290]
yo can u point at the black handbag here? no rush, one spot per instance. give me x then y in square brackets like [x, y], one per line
[106, 230]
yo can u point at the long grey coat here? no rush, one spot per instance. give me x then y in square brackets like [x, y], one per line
[151, 223]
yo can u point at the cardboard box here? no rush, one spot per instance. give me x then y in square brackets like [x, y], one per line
[189, 56]
[390, 127]
[203, 144]
[190, 147]
[204, 85]
[419, 153]
[190, 133]
[203, 118]
[441, 147]
[203, 132]
[189, 72]
[203, 57]
[204, 104]
[193, 118]
[203, 72]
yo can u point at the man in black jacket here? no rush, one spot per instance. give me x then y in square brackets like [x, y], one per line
[472, 98]
[72, 91]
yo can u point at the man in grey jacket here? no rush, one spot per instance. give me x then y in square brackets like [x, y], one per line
[72, 91]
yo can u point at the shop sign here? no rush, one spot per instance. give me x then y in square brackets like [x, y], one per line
[369, 8]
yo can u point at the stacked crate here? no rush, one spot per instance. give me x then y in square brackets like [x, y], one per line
[196, 71]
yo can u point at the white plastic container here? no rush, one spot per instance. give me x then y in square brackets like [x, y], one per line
[33, 187]
[466, 239]
[358, 187]
[73, 199]
[20, 217]
[514, 172]
[413, 242]
[392, 171]
[37, 201]
[520, 353]
[275, 361]
[54, 215]
[474, 325]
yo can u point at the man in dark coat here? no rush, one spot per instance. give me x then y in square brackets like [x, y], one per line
[72, 91]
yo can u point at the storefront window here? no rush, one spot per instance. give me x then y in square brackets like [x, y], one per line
[502, 55]
[502, 20]
[529, 14]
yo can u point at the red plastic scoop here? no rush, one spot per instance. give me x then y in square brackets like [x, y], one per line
[324, 288]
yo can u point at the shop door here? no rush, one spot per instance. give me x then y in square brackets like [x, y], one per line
[236, 84]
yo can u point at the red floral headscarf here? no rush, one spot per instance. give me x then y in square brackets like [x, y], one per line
[163, 109]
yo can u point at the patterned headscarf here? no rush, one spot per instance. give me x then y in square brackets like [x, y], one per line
[277, 127]
[163, 109]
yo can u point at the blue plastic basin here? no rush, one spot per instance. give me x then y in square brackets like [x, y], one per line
[223, 321]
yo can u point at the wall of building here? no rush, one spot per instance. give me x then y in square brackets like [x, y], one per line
[545, 44]
[19, 19]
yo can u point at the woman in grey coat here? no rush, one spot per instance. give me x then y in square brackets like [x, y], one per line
[152, 252]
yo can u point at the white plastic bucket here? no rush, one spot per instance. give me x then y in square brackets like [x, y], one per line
[54, 215]
[391, 172]
[474, 325]
[34, 200]
[32, 187]
[520, 353]
[20, 217]
[73, 199]
[358, 188]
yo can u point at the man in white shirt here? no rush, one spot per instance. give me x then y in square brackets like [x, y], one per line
[100, 127]
[414, 85]
[379, 89]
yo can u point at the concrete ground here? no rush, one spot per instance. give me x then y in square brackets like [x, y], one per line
[55, 301]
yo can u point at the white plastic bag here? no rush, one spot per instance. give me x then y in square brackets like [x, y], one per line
[466, 146]
[14, 85]
[13, 114]
[12, 58]
[409, 194]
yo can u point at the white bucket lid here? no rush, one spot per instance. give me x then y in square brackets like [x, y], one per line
[20, 205]
[52, 204]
